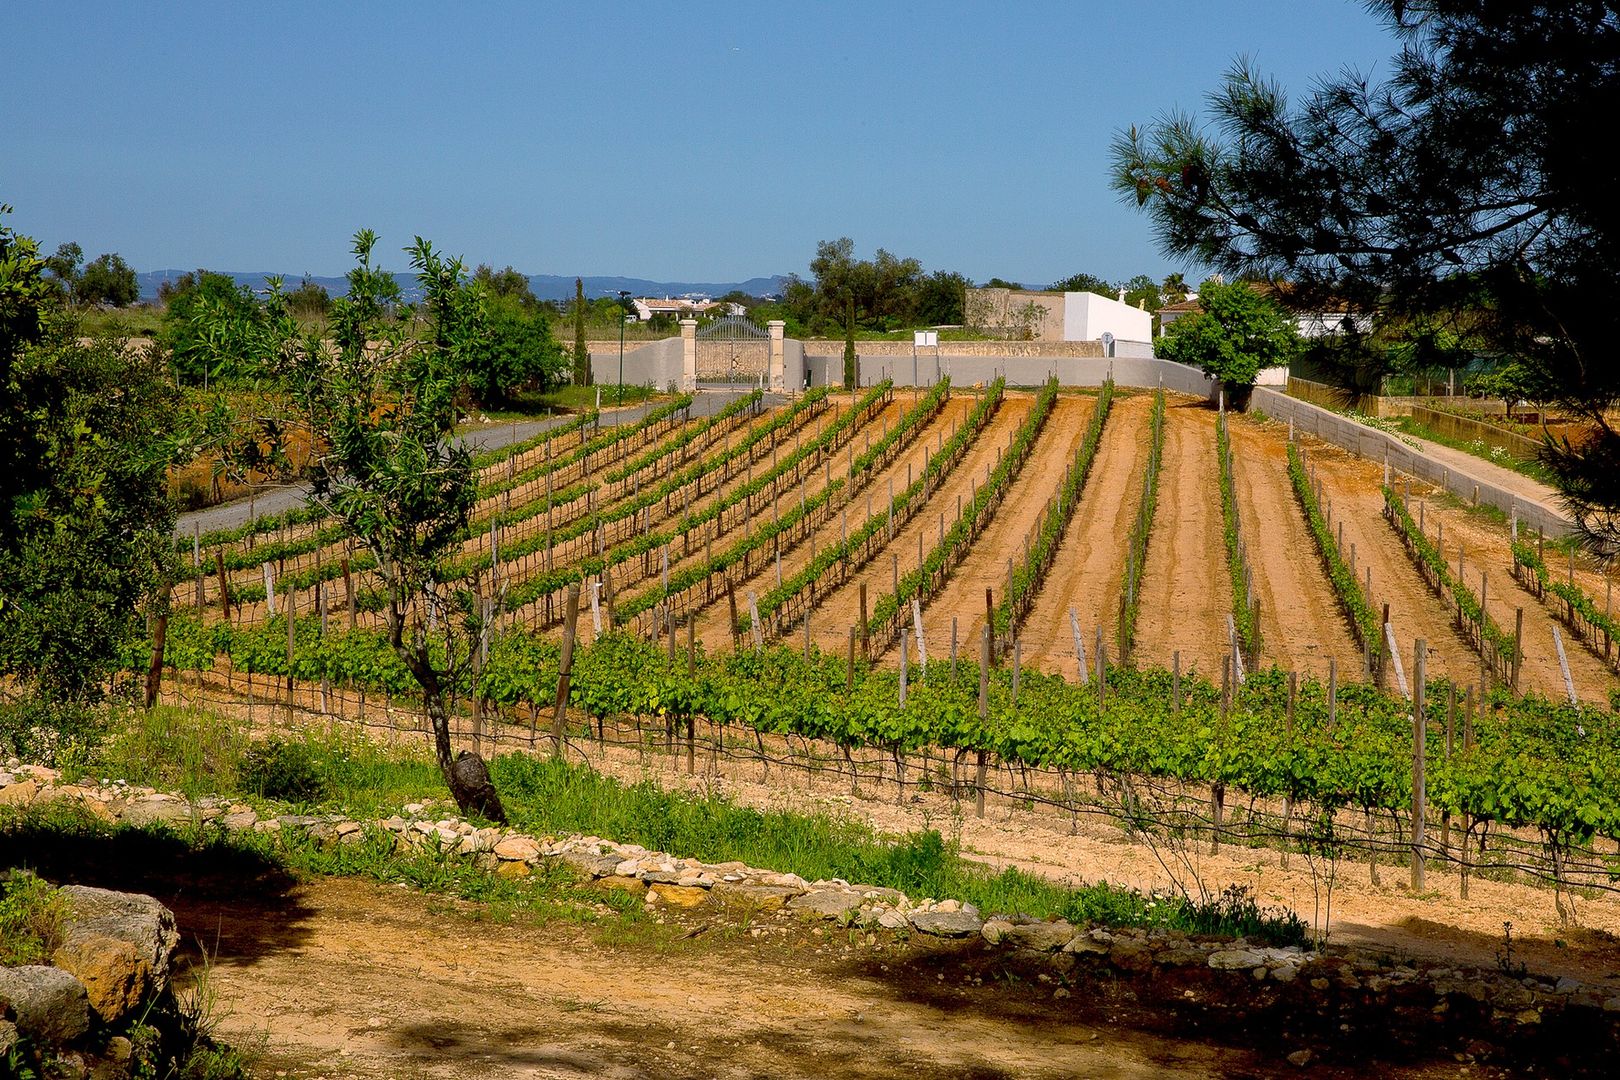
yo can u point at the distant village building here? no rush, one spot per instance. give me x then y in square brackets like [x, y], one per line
[682, 308]
[1331, 319]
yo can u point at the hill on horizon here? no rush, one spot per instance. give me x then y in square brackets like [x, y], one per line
[544, 286]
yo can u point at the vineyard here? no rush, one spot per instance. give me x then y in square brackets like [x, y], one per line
[1117, 602]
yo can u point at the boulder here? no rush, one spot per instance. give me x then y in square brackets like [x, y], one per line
[18, 794]
[133, 918]
[48, 1004]
[115, 978]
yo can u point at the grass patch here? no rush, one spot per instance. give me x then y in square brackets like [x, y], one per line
[544, 796]
[32, 912]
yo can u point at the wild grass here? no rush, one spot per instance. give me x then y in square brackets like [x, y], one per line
[32, 912]
[197, 753]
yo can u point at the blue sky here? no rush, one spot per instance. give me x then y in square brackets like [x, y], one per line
[676, 142]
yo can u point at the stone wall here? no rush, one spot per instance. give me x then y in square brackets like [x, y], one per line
[1039, 312]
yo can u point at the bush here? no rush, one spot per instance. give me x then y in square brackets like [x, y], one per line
[289, 771]
[31, 915]
[48, 732]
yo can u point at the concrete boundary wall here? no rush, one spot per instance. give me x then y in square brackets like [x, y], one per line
[1369, 442]
[658, 363]
[1135, 371]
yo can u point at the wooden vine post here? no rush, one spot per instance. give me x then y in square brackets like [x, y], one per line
[1419, 663]
[984, 718]
[565, 670]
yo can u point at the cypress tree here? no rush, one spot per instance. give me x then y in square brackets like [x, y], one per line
[582, 355]
[852, 370]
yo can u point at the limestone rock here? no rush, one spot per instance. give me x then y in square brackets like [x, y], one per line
[1040, 936]
[677, 895]
[115, 978]
[157, 811]
[765, 898]
[590, 865]
[18, 794]
[49, 1004]
[995, 931]
[949, 924]
[827, 903]
[517, 848]
[1235, 959]
[139, 920]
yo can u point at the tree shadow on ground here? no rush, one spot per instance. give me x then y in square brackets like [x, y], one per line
[231, 903]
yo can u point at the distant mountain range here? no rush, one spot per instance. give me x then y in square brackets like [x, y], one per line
[545, 286]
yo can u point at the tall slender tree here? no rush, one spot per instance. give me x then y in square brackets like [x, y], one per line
[582, 354]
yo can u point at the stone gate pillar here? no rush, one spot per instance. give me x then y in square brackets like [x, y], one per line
[775, 366]
[688, 354]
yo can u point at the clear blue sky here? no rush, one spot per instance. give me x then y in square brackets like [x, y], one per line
[669, 141]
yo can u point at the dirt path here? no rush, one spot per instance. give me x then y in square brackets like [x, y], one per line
[712, 629]
[1353, 485]
[1009, 530]
[835, 614]
[1186, 593]
[1522, 486]
[376, 982]
[1487, 547]
[1086, 573]
[1301, 623]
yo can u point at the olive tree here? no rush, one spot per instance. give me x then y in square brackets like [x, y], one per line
[380, 409]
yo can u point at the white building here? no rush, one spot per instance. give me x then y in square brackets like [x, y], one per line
[1088, 316]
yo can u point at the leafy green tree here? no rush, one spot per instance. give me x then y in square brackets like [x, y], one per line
[519, 352]
[1238, 333]
[380, 408]
[1085, 283]
[1466, 183]
[214, 330]
[85, 526]
[883, 289]
[108, 279]
[506, 284]
[1142, 291]
[1001, 283]
[310, 300]
[64, 266]
[582, 355]
[940, 298]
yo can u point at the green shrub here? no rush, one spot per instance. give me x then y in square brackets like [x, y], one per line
[290, 771]
[31, 915]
